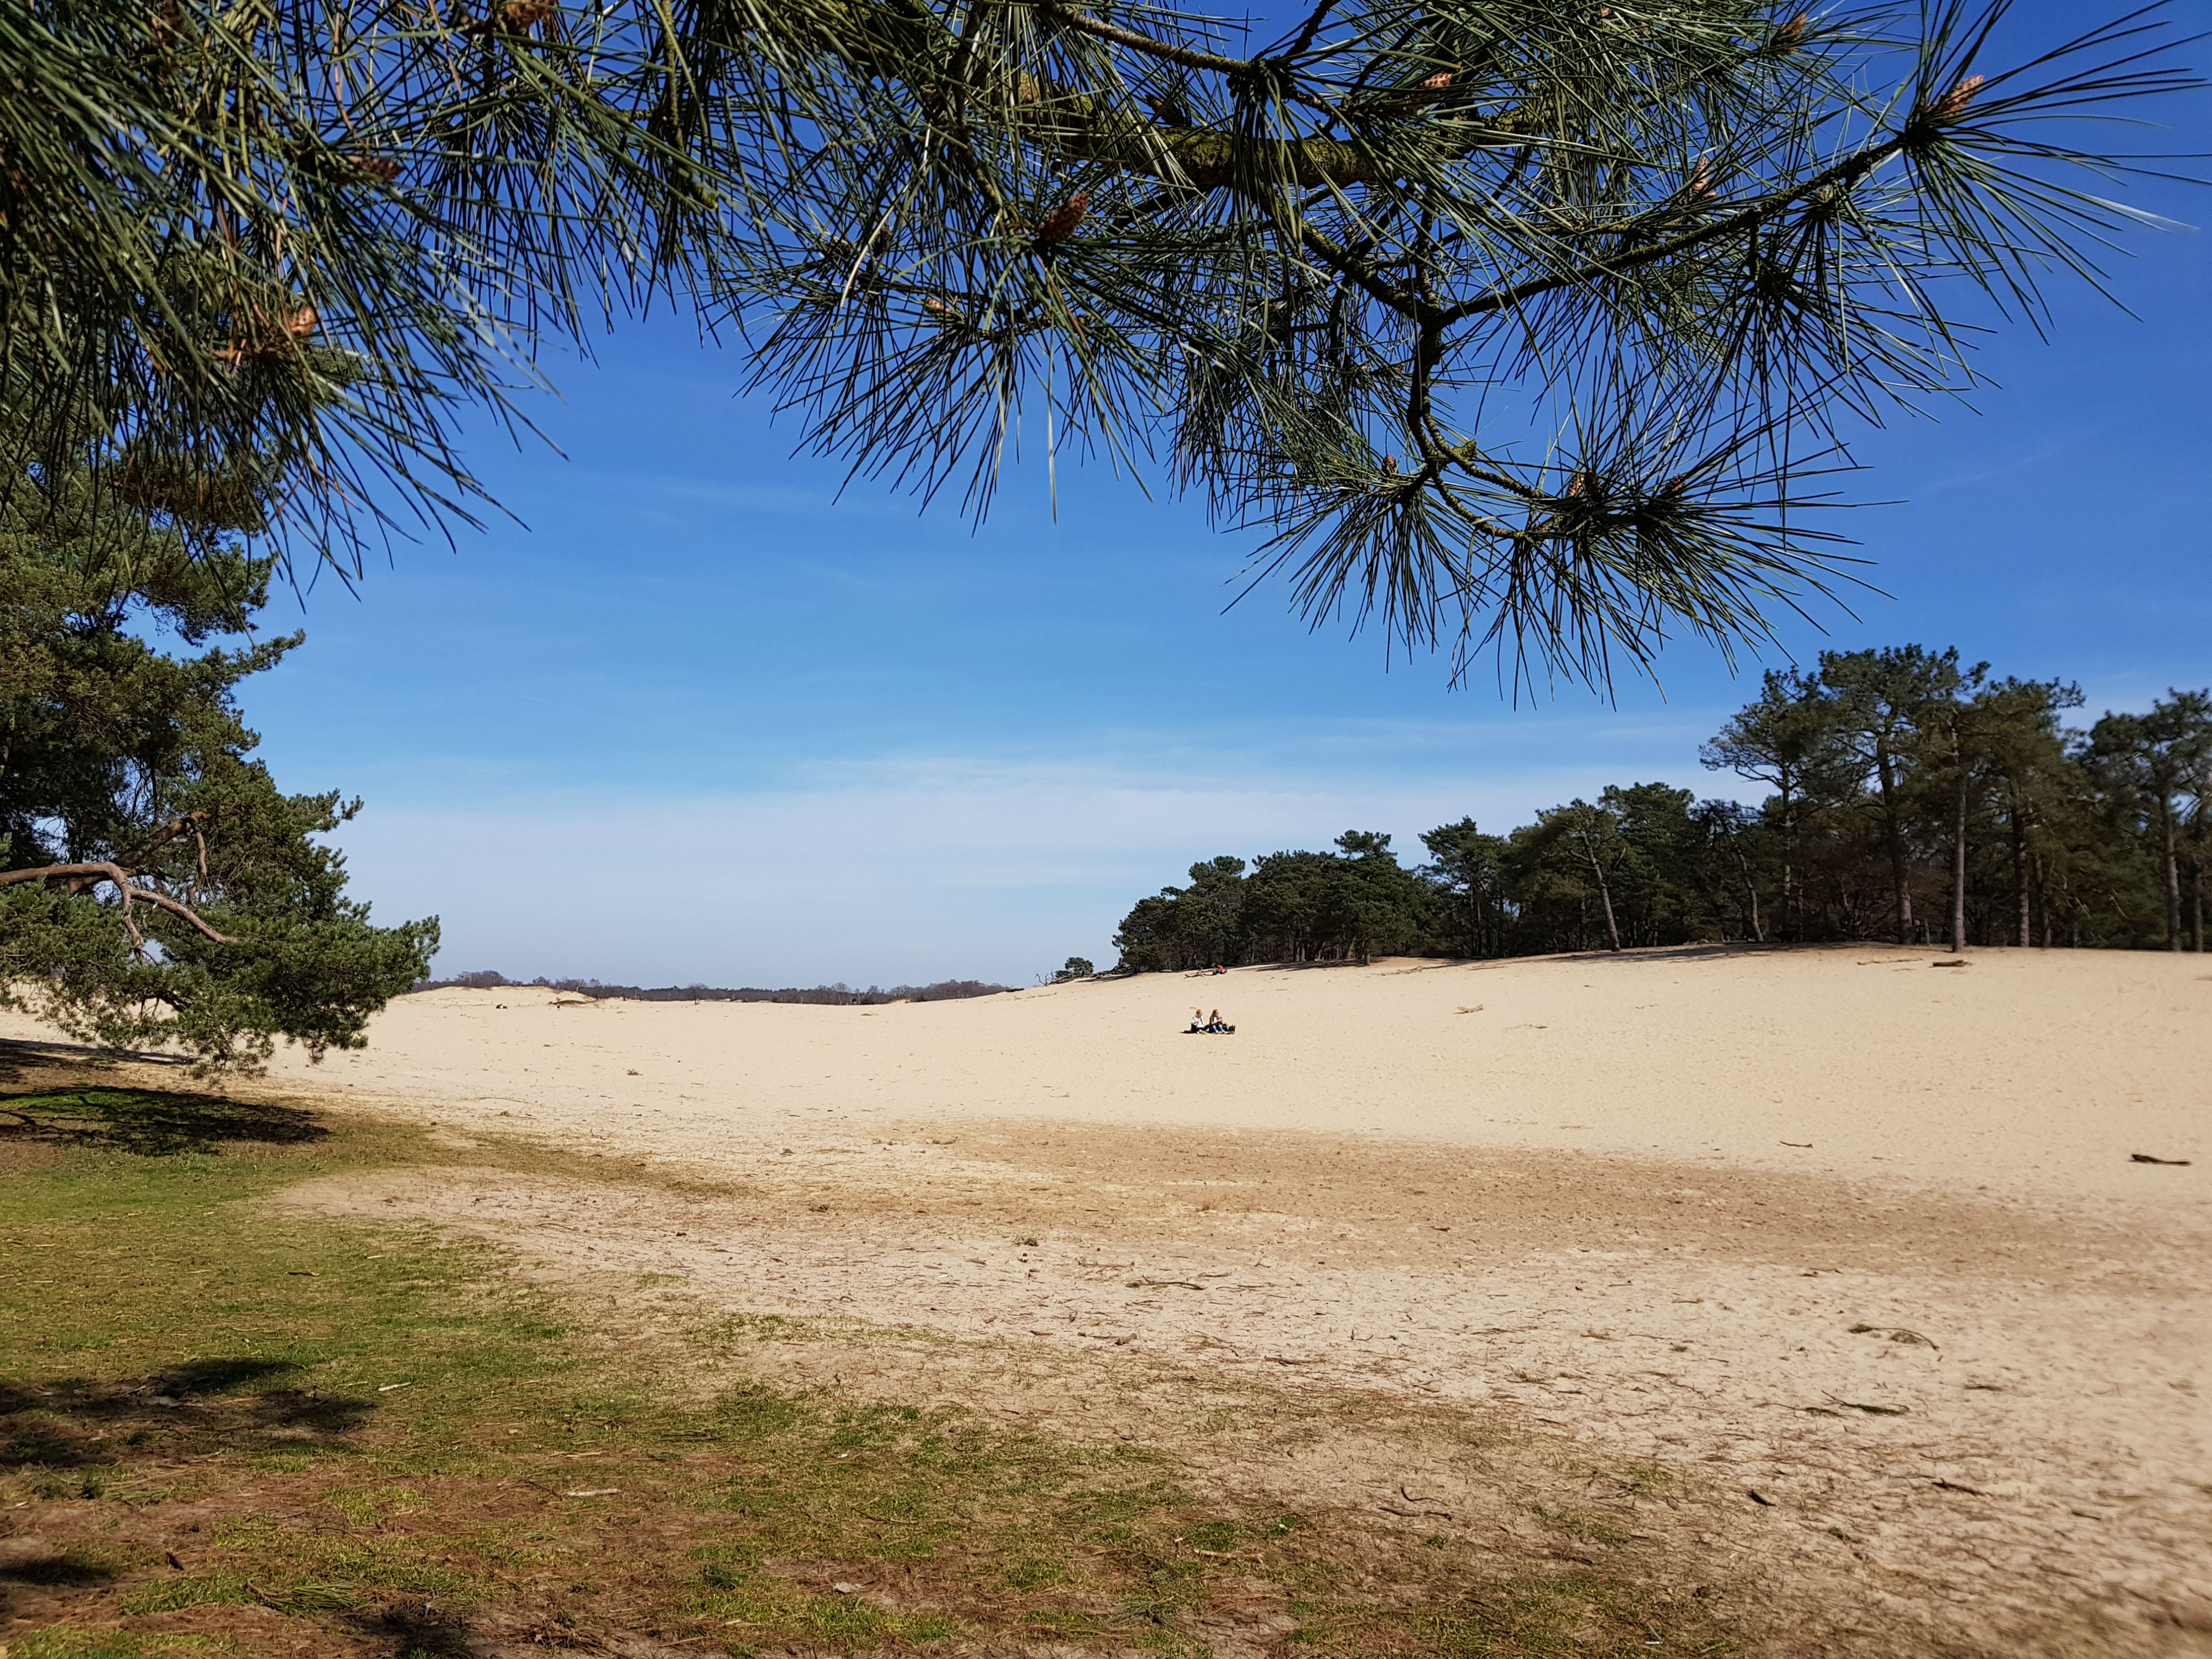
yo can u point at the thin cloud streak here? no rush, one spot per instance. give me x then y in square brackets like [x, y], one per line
[902, 870]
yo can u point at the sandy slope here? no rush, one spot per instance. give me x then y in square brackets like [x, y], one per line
[2024, 1073]
[1857, 1233]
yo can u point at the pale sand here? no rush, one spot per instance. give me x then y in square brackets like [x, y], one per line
[1576, 1207]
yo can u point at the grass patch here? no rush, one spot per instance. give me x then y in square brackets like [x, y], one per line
[359, 1439]
[62, 1642]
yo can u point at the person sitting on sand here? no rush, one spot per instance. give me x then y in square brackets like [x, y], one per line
[1213, 1021]
[1197, 1021]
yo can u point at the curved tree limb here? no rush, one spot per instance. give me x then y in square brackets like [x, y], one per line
[83, 876]
[191, 822]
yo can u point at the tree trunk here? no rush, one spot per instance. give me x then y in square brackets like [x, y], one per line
[1895, 837]
[1959, 865]
[1789, 848]
[2197, 905]
[2020, 874]
[1751, 897]
[1604, 893]
[2173, 874]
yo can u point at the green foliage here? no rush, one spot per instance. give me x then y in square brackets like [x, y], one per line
[1074, 967]
[1903, 783]
[235, 930]
[1294, 907]
[1335, 280]
[2156, 768]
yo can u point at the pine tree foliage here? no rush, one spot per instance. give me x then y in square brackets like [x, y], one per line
[1519, 324]
[156, 888]
[1913, 799]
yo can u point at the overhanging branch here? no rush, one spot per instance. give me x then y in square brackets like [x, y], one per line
[80, 877]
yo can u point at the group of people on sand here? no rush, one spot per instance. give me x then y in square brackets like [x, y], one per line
[1208, 1024]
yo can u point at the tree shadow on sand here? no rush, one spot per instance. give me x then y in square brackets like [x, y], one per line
[154, 1123]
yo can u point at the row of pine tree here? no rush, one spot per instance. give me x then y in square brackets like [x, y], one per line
[1914, 798]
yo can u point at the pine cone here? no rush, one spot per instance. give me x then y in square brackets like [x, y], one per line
[1785, 40]
[1951, 106]
[1062, 222]
[378, 166]
[516, 17]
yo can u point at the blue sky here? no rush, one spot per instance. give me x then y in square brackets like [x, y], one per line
[697, 718]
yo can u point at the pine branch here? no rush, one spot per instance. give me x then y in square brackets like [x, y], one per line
[75, 878]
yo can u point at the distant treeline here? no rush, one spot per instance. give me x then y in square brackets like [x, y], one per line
[1914, 798]
[840, 995]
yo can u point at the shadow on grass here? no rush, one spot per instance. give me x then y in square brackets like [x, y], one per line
[155, 1123]
[71, 1425]
[50, 1572]
[417, 1627]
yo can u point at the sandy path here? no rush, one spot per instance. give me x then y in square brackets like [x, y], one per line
[1856, 1234]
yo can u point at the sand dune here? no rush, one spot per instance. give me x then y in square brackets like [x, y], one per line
[1855, 1232]
[2025, 1073]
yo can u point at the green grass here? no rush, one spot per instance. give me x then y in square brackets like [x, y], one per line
[374, 1439]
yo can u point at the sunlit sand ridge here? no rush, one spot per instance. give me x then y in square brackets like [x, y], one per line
[2022, 1073]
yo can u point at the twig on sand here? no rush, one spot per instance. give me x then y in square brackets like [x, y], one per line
[1873, 1411]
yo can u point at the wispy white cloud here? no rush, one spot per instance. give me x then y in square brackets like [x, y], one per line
[899, 869]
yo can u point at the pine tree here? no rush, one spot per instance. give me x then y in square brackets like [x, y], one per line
[1881, 699]
[2160, 759]
[1467, 867]
[156, 888]
[1787, 739]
